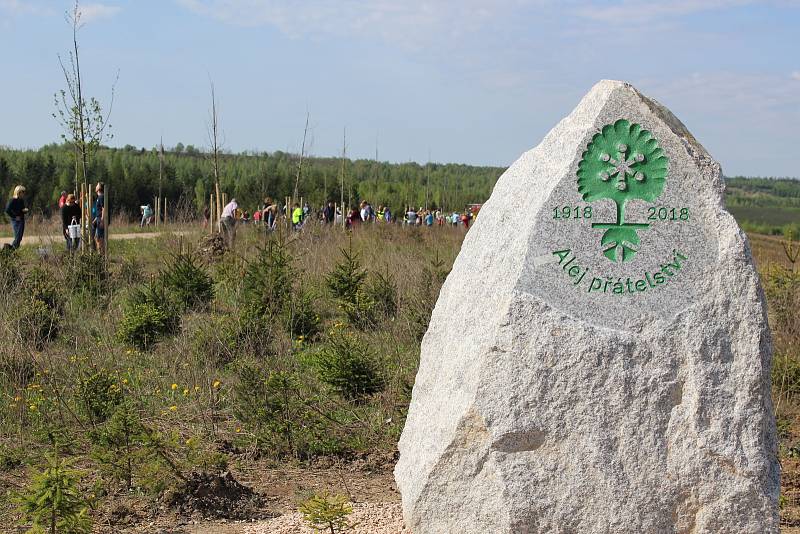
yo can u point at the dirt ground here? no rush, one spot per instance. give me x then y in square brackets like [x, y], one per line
[282, 488]
[57, 239]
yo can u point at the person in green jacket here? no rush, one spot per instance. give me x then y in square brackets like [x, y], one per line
[297, 217]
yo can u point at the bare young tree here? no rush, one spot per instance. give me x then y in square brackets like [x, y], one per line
[302, 156]
[85, 125]
[216, 147]
[344, 160]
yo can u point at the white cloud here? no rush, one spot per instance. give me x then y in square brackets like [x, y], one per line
[796, 75]
[764, 98]
[20, 7]
[92, 12]
[628, 12]
[409, 22]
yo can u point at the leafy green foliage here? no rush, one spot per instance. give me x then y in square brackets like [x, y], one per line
[347, 283]
[121, 446]
[36, 323]
[347, 277]
[40, 285]
[274, 405]
[381, 289]
[9, 269]
[188, 281]
[99, 395]
[326, 512]
[144, 325]
[88, 271]
[54, 502]
[150, 314]
[299, 315]
[347, 365]
[267, 281]
[38, 313]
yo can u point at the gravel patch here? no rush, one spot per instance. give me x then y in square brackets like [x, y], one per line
[367, 518]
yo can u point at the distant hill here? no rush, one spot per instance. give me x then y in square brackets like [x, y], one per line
[764, 205]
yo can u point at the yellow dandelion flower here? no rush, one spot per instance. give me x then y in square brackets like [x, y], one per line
[238, 430]
[124, 380]
[173, 408]
[216, 384]
[185, 392]
[32, 407]
[174, 387]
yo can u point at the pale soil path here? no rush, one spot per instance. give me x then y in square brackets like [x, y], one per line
[53, 239]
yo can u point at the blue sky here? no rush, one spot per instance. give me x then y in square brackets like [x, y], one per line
[467, 81]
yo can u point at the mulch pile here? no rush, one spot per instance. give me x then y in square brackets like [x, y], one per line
[214, 496]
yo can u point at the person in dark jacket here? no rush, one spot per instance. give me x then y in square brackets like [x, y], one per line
[70, 211]
[329, 213]
[16, 211]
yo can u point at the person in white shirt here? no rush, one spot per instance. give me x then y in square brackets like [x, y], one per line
[228, 222]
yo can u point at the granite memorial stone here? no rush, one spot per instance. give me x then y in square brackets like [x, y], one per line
[599, 357]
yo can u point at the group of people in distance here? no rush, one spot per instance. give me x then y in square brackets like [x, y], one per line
[269, 213]
[70, 212]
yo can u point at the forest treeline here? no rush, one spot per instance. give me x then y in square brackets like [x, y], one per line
[763, 192]
[186, 178]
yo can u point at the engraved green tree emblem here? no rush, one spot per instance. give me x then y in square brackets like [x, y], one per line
[622, 162]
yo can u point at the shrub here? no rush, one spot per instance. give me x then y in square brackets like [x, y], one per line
[54, 502]
[87, 271]
[785, 376]
[99, 395]
[347, 284]
[382, 290]
[347, 276]
[35, 322]
[299, 315]
[188, 281]
[346, 364]
[273, 404]
[327, 512]
[419, 315]
[225, 337]
[144, 325]
[267, 281]
[41, 285]
[17, 368]
[130, 271]
[362, 311]
[120, 445]
[9, 269]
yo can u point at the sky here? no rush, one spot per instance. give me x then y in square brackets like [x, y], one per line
[467, 81]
